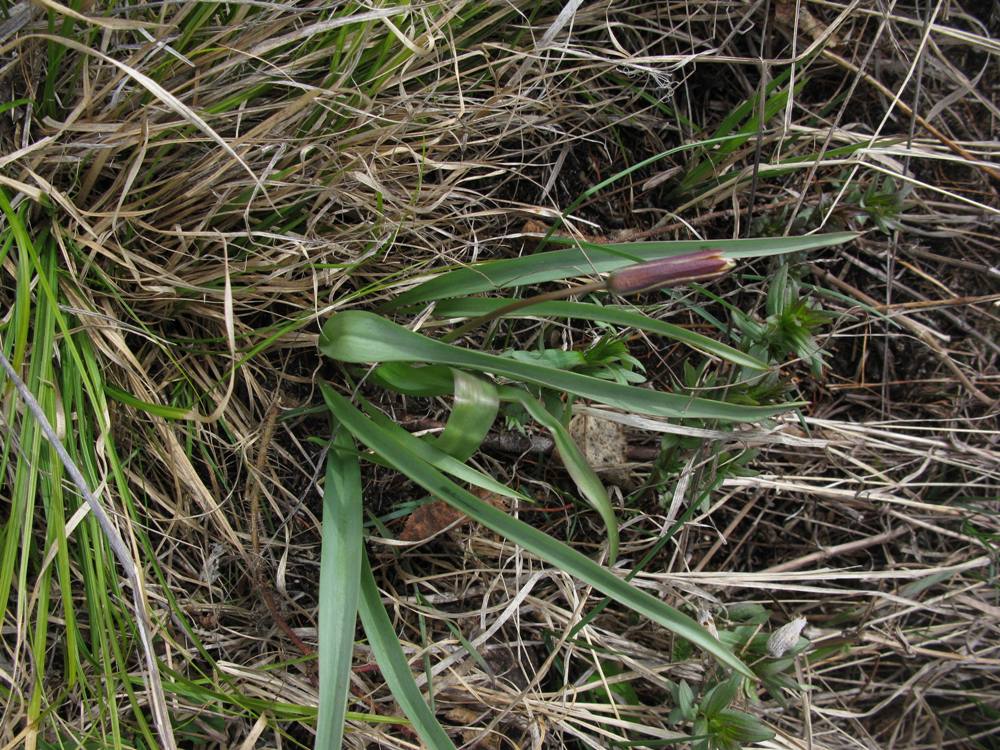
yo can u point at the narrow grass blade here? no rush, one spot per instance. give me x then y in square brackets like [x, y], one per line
[392, 661]
[582, 474]
[159, 410]
[588, 259]
[737, 128]
[403, 459]
[121, 551]
[476, 307]
[437, 458]
[339, 577]
[357, 336]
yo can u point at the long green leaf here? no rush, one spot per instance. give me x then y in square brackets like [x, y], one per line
[588, 259]
[582, 474]
[437, 458]
[357, 336]
[474, 307]
[538, 543]
[392, 661]
[339, 577]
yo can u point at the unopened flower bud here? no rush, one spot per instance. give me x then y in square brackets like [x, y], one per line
[696, 266]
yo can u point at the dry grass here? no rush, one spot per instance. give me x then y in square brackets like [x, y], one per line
[213, 196]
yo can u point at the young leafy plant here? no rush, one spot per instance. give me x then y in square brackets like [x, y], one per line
[541, 386]
[791, 323]
[715, 713]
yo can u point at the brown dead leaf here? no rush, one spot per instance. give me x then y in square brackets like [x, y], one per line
[466, 716]
[428, 520]
[432, 518]
[808, 24]
[533, 227]
[462, 715]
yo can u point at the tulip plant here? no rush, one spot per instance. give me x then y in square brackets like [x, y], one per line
[479, 383]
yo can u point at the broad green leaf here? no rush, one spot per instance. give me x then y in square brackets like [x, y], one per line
[474, 307]
[401, 455]
[357, 336]
[411, 380]
[685, 699]
[773, 667]
[720, 697]
[392, 661]
[339, 577]
[475, 409]
[588, 259]
[580, 471]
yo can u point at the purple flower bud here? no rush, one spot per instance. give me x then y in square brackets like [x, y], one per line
[696, 266]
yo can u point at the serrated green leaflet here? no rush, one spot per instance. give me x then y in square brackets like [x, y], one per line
[359, 337]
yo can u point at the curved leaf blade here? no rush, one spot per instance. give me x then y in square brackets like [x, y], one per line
[475, 307]
[357, 336]
[474, 411]
[537, 542]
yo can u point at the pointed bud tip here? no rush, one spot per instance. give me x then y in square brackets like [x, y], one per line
[678, 269]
